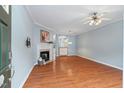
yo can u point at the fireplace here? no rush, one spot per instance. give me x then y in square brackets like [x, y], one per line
[45, 55]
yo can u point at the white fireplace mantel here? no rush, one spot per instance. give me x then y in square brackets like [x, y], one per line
[45, 47]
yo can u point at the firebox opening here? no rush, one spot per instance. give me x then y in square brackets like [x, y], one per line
[44, 55]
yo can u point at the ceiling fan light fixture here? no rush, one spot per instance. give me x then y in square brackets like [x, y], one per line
[95, 18]
[97, 23]
[91, 22]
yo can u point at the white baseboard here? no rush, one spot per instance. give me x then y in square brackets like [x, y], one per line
[22, 84]
[100, 62]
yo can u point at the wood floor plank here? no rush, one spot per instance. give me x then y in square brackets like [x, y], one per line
[74, 72]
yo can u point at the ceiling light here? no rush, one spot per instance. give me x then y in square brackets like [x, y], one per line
[96, 23]
[95, 19]
[91, 22]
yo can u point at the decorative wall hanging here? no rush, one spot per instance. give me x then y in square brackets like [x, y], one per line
[28, 42]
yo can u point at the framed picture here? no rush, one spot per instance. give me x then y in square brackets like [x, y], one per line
[44, 36]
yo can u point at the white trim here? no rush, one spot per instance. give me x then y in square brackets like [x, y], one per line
[29, 13]
[38, 24]
[21, 85]
[100, 62]
[45, 27]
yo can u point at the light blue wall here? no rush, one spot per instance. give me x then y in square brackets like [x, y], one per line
[103, 44]
[22, 60]
[36, 37]
[72, 47]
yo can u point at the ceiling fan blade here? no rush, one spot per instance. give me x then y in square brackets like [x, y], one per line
[86, 22]
[104, 13]
[101, 15]
[105, 19]
[86, 19]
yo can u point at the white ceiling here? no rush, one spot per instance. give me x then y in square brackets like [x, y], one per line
[62, 18]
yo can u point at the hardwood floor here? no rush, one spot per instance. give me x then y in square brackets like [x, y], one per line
[74, 72]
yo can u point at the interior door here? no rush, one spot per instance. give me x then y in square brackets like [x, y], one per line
[5, 46]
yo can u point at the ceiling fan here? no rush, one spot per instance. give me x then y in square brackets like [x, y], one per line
[95, 18]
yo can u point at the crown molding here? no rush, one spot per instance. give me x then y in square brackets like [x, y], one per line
[45, 27]
[38, 24]
[29, 13]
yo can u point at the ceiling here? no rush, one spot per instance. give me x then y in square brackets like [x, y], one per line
[65, 18]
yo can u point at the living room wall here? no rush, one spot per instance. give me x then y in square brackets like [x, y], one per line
[104, 45]
[22, 57]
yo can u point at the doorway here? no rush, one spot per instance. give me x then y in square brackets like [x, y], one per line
[5, 46]
[63, 45]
